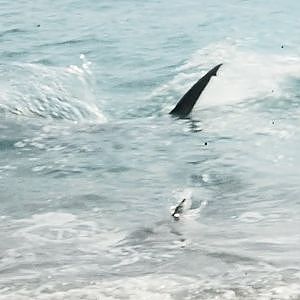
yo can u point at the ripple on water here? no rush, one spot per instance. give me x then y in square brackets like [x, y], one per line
[251, 217]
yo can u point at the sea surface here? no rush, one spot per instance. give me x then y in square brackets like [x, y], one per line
[92, 164]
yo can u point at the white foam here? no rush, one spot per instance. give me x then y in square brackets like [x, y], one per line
[58, 228]
[20, 144]
[51, 92]
[205, 177]
[156, 287]
[52, 219]
[144, 287]
[244, 74]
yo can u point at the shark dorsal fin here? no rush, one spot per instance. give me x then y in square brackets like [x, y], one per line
[187, 102]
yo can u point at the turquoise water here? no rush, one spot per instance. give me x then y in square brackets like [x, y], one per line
[91, 164]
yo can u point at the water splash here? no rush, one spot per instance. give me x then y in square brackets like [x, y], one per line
[35, 90]
[190, 210]
[245, 75]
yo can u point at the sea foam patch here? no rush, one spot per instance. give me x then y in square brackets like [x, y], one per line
[164, 286]
[244, 75]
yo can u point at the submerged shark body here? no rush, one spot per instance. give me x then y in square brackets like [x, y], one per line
[187, 102]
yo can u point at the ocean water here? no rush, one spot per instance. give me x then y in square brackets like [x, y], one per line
[91, 164]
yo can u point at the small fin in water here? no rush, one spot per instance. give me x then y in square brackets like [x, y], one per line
[178, 210]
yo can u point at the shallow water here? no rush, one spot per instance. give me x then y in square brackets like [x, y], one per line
[91, 163]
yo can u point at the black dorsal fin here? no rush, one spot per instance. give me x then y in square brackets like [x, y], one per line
[187, 102]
